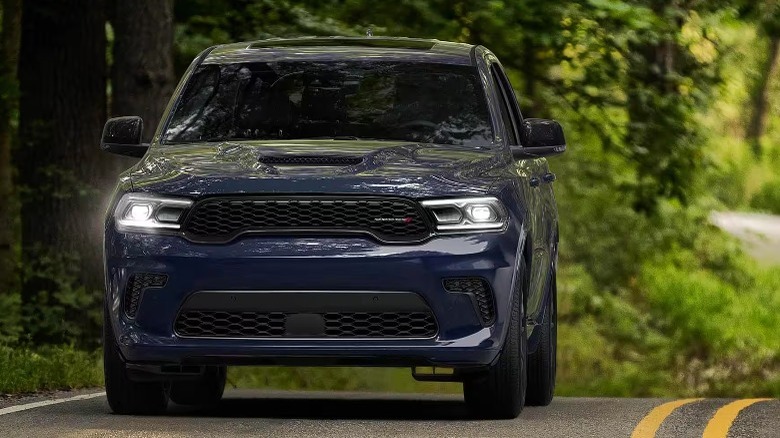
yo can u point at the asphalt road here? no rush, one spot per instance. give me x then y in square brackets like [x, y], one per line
[760, 233]
[295, 414]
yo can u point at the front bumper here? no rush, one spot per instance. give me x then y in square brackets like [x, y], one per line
[311, 264]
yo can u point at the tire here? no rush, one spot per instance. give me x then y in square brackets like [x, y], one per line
[499, 392]
[542, 363]
[126, 397]
[203, 392]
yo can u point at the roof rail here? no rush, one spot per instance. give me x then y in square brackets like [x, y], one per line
[385, 42]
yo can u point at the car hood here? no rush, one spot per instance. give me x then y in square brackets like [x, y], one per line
[401, 168]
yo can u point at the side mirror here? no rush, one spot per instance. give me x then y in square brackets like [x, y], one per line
[540, 138]
[122, 136]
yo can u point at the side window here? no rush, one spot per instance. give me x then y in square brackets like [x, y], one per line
[507, 109]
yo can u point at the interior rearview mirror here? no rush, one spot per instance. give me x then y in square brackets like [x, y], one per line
[539, 138]
[122, 136]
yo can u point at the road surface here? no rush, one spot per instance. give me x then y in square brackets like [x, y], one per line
[296, 414]
[760, 233]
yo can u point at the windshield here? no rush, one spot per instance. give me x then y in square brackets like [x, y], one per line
[418, 102]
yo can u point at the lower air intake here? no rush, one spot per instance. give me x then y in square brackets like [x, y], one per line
[480, 290]
[235, 324]
[135, 287]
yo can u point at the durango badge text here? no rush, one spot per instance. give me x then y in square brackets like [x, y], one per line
[334, 201]
[405, 220]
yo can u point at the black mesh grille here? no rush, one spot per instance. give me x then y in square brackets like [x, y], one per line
[230, 324]
[200, 323]
[477, 287]
[136, 285]
[310, 160]
[384, 325]
[388, 219]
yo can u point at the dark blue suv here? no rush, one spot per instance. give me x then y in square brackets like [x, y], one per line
[334, 201]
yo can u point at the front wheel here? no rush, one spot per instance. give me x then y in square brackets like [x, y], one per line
[126, 397]
[542, 363]
[499, 392]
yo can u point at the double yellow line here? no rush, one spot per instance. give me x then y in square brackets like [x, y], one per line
[721, 422]
[717, 427]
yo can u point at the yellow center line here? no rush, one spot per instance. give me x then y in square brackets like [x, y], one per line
[652, 421]
[720, 423]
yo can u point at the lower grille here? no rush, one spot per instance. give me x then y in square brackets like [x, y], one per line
[202, 323]
[478, 288]
[136, 284]
[385, 325]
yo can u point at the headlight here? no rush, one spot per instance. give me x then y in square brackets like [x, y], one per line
[466, 214]
[144, 212]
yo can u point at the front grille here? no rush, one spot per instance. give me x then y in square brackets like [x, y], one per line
[136, 284]
[201, 323]
[310, 160]
[387, 219]
[478, 288]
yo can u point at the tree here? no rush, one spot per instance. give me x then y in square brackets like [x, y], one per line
[62, 174]
[767, 14]
[9, 51]
[142, 74]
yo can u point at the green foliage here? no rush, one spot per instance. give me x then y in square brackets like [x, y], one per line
[62, 310]
[724, 334]
[10, 318]
[727, 185]
[48, 368]
[698, 317]
[767, 198]
[203, 23]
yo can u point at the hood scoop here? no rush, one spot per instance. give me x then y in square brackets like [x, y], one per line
[310, 160]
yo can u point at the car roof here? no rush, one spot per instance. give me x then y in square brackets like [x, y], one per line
[343, 48]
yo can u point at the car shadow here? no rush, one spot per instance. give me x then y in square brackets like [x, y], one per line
[331, 408]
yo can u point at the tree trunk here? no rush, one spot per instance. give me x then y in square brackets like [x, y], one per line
[758, 119]
[529, 76]
[142, 75]
[9, 56]
[63, 175]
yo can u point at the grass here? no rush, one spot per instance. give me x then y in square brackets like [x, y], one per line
[25, 370]
[48, 368]
[61, 367]
[335, 379]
